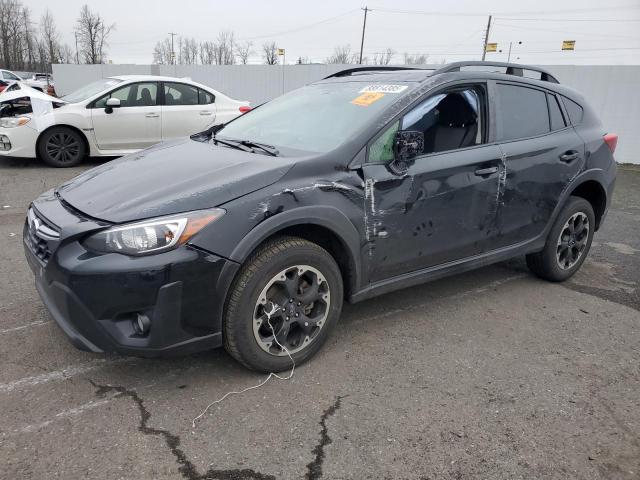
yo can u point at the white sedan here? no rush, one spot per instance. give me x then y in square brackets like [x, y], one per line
[109, 117]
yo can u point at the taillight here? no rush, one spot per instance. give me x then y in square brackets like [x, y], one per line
[611, 139]
[244, 108]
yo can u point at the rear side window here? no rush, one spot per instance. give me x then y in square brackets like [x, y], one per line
[205, 98]
[574, 110]
[555, 114]
[522, 112]
[180, 94]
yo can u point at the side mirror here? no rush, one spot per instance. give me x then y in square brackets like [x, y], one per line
[407, 144]
[111, 104]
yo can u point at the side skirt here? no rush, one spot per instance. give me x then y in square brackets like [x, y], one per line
[451, 268]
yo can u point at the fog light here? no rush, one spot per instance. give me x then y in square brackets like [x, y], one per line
[141, 324]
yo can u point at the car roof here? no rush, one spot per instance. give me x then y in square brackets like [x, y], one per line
[465, 70]
[157, 78]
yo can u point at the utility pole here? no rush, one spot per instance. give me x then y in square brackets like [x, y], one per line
[486, 39]
[173, 54]
[364, 26]
[77, 57]
[509, 56]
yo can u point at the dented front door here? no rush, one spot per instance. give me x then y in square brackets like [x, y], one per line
[444, 209]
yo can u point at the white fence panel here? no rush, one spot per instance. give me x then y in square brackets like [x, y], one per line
[614, 91]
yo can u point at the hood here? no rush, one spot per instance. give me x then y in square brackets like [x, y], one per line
[170, 178]
[41, 103]
[27, 91]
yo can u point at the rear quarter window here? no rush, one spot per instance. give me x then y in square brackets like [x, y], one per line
[575, 111]
[555, 114]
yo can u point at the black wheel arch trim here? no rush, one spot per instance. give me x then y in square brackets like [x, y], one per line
[323, 216]
[597, 175]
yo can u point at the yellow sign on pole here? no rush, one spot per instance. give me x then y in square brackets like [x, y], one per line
[492, 47]
[281, 51]
[569, 45]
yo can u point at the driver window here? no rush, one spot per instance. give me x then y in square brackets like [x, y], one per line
[133, 95]
[449, 120]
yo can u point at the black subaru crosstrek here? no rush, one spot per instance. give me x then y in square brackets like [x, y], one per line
[252, 234]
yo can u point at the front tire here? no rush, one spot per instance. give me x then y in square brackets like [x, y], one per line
[567, 244]
[285, 301]
[61, 147]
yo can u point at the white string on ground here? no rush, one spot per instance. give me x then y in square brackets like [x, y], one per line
[271, 375]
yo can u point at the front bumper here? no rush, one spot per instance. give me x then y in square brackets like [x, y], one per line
[95, 298]
[22, 140]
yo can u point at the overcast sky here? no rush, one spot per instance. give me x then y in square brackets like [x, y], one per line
[605, 32]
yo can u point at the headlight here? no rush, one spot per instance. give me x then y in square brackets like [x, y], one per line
[152, 236]
[10, 122]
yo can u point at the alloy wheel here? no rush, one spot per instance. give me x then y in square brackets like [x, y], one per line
[572, 241]
[63, 147]
[291, 310]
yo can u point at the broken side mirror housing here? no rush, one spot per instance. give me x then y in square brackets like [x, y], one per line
[407, 144]
[111, 104]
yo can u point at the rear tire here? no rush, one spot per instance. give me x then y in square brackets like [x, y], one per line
[289, 287]
[567, 244]
[62, 147]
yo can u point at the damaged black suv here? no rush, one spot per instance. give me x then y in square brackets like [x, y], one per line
[373, 179]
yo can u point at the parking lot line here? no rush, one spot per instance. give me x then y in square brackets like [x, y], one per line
[22, 327]
[63, 374]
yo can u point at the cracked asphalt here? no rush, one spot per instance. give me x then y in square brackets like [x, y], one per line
[490, 374]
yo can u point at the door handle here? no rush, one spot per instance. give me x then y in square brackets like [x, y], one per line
[152, 115]
[569, 156]
[481, 172]
[206, 112]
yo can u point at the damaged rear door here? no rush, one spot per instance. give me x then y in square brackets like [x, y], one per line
[543, 155]
[444, 207]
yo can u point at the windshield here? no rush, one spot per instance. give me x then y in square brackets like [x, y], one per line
[315, 118]
[90, 90]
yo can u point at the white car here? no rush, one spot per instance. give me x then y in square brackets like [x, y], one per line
[110, 117]
[39, 81]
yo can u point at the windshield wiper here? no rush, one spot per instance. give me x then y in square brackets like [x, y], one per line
[232, 144]
[268, 149]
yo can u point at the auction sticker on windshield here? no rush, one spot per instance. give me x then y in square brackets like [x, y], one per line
[384, 89]
[367, 99]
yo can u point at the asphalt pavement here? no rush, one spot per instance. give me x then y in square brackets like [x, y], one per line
[490, 374]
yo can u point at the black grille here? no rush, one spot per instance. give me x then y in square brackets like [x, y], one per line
[34, 236]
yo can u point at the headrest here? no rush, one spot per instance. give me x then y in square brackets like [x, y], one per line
[455, 111]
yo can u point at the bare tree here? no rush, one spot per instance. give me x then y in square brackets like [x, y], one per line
[162, 52]
[49, 36]
[92, 35]
[12, 33]
[270, 53]
[244, 51]
[342, 54]
[416, 58]
[65, 54]
[207, 53]
[303, 61]
[224, 50]
[188, 51]
[384, 58]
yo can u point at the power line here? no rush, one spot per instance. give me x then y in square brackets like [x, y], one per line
[510, 19]
[589, 34]
[304, 27]
[474, 14]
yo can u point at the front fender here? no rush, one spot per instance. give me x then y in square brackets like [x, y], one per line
[328, 217]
